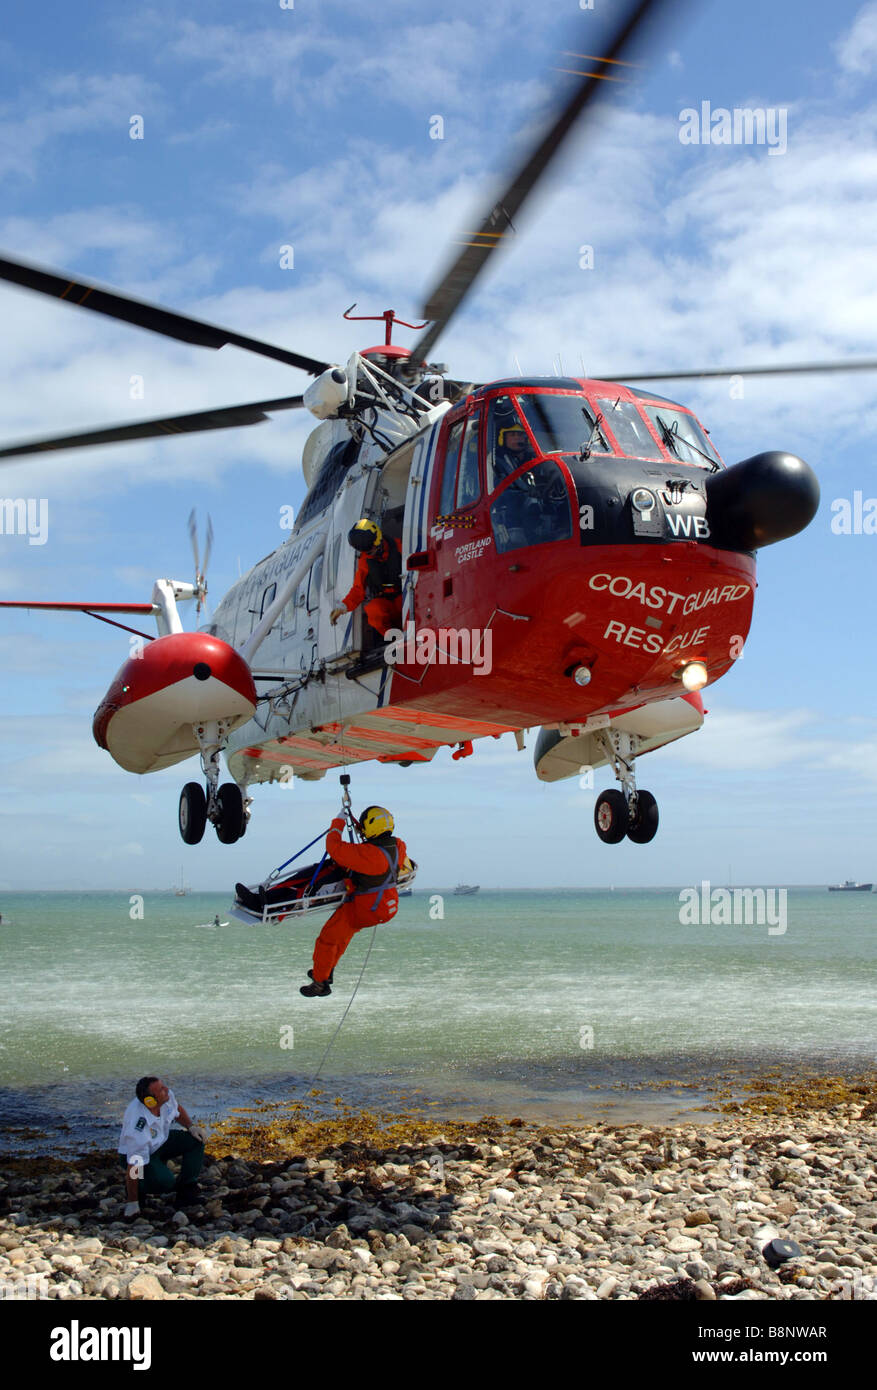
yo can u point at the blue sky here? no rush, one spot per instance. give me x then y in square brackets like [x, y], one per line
[265, 127]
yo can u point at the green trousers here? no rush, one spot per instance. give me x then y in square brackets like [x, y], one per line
[157, 1176]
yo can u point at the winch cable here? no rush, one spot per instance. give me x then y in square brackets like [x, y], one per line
[354, 830]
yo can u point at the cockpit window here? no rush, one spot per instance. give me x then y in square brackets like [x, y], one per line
[532, 509]
[468, 484]
[629, 428]
[508, 444]
[683, 436]
[563, 424]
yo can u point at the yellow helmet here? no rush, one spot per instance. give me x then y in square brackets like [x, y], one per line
[365, 535]
[510, 429]
[375, 821]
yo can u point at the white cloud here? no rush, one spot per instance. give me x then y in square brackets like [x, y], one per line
[744, 741]
[748, 257]
[67, 106]
[856, 50]
[312, 62]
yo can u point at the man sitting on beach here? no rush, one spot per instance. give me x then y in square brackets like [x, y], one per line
[147, 1142]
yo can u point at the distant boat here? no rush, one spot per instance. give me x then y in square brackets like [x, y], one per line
[462, 889]
[183, 888]
[406, 892]
[848, 886]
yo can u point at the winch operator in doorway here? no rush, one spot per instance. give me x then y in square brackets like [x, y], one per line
[378, 580]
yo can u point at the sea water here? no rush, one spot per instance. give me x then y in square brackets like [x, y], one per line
[527, 1003]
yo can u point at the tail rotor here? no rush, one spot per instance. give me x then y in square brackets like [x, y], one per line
[200, 571]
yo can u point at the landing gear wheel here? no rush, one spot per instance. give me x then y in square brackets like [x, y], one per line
[232, 822]
[193, 813]
[611, 817]
[643, 826]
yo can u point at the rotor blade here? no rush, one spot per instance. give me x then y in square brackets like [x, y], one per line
[208, 544]
[224, 418]
[794, 369]
[143, 315]
[193, 537]
[447, 296]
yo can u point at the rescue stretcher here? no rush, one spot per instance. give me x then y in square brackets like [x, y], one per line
[316, 888]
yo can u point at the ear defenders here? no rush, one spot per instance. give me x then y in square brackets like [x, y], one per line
[141, 1090]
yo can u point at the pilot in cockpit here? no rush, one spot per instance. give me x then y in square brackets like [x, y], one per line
[513, 449]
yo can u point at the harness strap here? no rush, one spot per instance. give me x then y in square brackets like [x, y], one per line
[314, 874]
[389, 881]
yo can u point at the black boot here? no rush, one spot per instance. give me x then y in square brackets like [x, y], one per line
[247, 898]
[318, 990]
[330, 981]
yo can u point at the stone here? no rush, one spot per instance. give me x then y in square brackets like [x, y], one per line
[501, 1197]
[682, 1245]
[534, 1287]
[574, 1287]
[90, 1245]
[144, 1286]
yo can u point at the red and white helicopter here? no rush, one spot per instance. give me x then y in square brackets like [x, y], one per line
[589, 574]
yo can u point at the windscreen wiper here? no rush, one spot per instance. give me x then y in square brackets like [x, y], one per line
[587, 448]
[672, 438]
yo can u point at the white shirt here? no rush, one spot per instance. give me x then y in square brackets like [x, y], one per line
[144, 1130]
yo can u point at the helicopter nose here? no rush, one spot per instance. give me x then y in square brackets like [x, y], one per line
[761, 500]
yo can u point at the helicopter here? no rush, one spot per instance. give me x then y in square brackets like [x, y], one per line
[591, 590]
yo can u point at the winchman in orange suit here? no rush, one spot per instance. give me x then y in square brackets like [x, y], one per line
[378, 581]
[372, 895]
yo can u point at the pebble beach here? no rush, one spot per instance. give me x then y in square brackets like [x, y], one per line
[405, 1207]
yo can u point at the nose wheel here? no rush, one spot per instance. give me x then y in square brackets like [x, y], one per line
[627, 812]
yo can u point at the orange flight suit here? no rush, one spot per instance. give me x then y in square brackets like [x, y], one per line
[383, 611]
[352, 916]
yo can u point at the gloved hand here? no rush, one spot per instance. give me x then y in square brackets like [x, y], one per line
[132, 1209]
[198, 1132]
[336, 614]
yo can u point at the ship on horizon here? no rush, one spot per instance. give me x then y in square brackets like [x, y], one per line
[848, 886]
